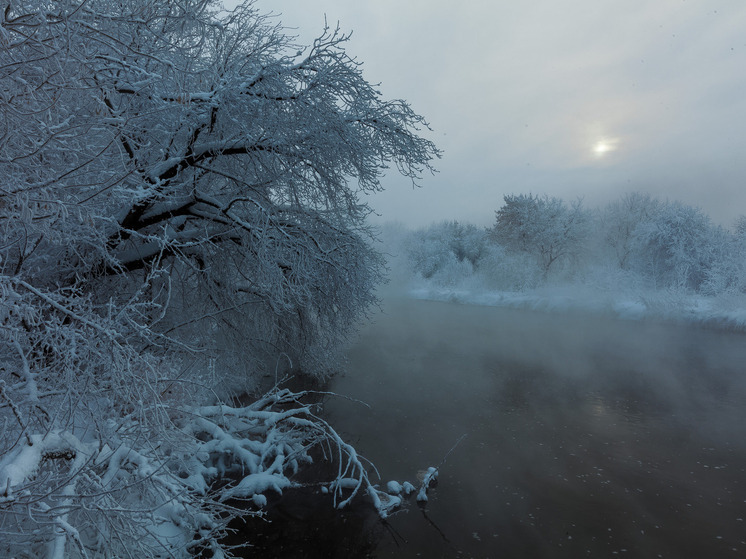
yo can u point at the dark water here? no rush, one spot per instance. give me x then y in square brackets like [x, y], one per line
[586, 437]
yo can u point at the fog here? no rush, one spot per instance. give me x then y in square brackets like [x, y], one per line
[584, 435]
[185, 251]
[520, 96]
[596, 407]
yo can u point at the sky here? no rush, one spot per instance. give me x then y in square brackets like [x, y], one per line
[570, 98]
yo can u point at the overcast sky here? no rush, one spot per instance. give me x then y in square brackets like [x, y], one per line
[570, 98]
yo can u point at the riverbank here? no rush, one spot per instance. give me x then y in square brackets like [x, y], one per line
[726, 311]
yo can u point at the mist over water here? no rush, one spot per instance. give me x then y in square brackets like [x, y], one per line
[586, 436]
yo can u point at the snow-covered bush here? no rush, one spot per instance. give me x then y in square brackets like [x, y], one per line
[503, 270]
[452, 272]
[428, 251]
[446, 252]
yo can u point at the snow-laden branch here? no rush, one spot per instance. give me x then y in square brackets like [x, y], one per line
[62, 308]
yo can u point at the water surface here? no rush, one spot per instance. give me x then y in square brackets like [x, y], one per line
[586, 436]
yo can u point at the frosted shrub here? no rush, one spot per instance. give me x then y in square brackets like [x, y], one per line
[427, 255]
[452, 272]
[509, 271]
[607, 277]
[445, 250]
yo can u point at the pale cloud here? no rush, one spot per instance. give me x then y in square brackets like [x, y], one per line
[520, 93]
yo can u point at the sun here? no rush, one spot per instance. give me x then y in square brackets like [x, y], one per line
[604, 146]
[601, 147]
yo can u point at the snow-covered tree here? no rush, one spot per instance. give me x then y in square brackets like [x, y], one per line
[672, 245]
[620, 221]
[179, 211]
[159, 135]
[543, 226]
[677, 245]
[739, 227]
[726, 266]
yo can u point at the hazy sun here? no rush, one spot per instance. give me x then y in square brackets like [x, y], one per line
[604, 146]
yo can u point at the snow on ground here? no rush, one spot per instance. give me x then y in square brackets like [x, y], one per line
[724, 311]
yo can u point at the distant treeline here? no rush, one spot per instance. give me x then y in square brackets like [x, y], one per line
[637, 242]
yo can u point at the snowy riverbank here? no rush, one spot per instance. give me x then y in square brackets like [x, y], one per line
[723, 311]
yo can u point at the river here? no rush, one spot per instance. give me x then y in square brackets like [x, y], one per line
[585, 436]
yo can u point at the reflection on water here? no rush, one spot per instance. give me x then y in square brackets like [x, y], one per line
[586, 437]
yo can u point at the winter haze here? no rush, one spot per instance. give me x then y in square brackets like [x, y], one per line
[575, 98]
[197, 358]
